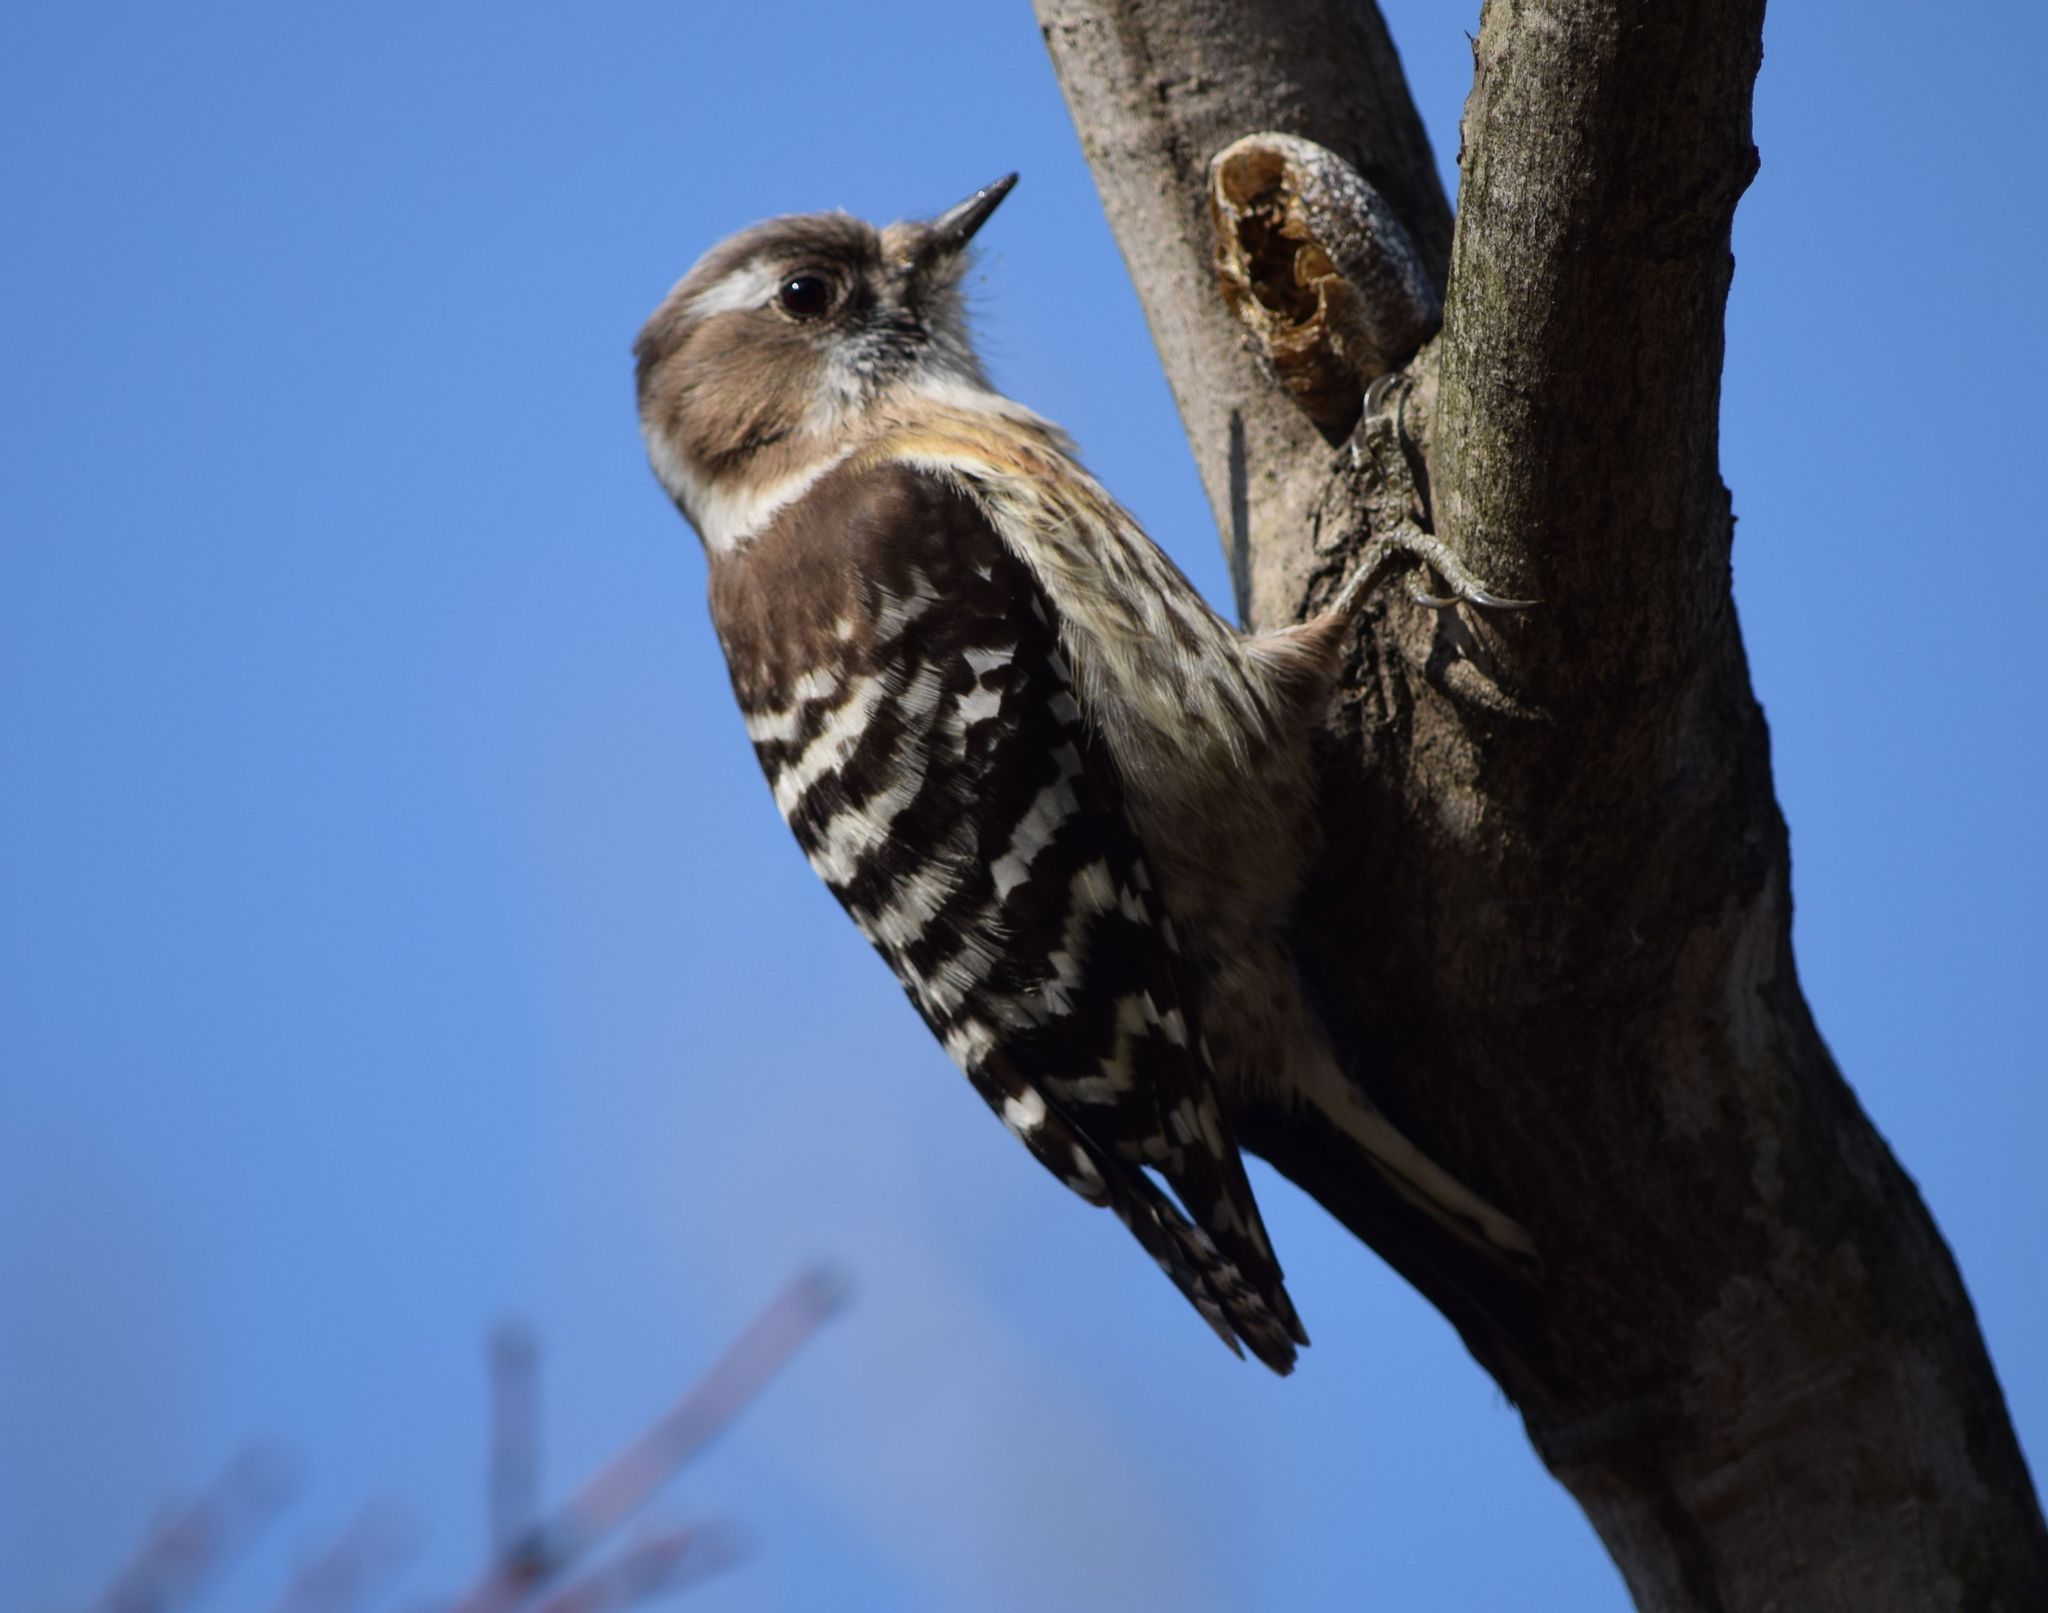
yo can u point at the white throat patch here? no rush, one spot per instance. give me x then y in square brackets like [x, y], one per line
[728, 517]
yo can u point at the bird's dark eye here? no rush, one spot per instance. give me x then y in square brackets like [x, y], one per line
[805, 295]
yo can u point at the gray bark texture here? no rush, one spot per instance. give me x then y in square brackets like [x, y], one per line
[1552, 930]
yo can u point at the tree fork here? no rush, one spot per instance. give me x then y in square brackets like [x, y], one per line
[1552, 929]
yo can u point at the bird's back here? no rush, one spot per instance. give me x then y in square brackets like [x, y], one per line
[901, 675]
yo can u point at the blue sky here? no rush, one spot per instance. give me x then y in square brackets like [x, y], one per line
[398, 934]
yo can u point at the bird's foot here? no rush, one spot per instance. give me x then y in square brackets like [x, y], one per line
[1421, 552]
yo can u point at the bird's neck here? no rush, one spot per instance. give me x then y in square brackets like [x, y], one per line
[939, 416]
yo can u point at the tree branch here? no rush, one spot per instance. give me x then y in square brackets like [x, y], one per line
[1753, 1361]
[1156, 91]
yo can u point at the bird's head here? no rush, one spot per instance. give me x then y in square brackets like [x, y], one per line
[768, 353]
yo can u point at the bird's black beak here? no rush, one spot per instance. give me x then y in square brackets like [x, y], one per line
[955, 227]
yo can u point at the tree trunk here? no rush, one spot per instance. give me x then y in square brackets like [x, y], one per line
[1552, 933]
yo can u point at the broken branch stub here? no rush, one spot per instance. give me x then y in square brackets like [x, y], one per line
[1313, 261]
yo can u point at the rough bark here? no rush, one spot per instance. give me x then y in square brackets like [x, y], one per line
[1552, 933]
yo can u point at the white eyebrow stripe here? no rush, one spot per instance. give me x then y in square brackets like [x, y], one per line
[748, 286]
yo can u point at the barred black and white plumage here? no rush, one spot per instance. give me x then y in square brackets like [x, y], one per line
[901, 677]
[1065, 800]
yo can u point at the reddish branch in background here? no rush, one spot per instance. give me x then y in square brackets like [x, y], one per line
[530, 1554]
[368, 1558]
[195, 1542]
[551, 1547]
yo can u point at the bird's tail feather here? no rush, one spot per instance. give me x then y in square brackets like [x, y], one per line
[1226, 1294]
[1424, 1183]
[1213, 1284]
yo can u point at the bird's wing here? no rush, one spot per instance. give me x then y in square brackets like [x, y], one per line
[945, 783]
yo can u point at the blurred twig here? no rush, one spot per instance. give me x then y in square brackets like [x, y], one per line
[368, 1557]
[515, 1437]
[192, 1544]
[668, 1561]
[624, 1484]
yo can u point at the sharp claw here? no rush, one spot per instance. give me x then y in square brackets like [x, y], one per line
[1465, 596]
[1432, 555]
[1479, 596]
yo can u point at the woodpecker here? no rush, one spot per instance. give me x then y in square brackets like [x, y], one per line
[1068, 803]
